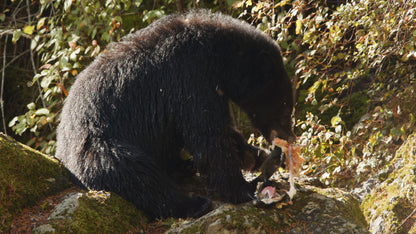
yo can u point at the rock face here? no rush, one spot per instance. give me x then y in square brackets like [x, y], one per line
[29, 179]
[66, 208]
[391, 206]
[26, 176]
[93, 212]
[314, 210]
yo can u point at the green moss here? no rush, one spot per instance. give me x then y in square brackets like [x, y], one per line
[233, 221]
[394, 196]
[330, 208]
[350, 208]
[195, 229]
[402, 207]
[102, 212]
[383, 176]
[26, 176]
[291, 217]
[256, 218]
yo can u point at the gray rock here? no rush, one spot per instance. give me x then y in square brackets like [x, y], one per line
[66, 208]
[46, 228]
[365, 188]
[314, 210]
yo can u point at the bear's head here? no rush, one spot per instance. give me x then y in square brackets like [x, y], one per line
[268, 97]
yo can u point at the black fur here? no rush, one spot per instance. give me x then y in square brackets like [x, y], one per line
[164, 88]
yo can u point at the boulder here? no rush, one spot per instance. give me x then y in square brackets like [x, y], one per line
[36, 195]
[26, 177]
[391, 205]
[313, 210]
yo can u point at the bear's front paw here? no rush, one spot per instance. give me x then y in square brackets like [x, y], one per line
[245, 194]
[194, 207]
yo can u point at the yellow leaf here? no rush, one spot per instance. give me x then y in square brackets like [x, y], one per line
[282, 3]
[41, 22]
[298, 26]
[29, 29]
[73, 72]
[16, 36]
[315, 86]
[238, 4]
[258, 7]
[335, 120]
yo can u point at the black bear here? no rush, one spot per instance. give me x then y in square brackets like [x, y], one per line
[166, 88]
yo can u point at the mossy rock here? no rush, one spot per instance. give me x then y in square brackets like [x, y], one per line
[314, 210]
[26, 176]
[388, 209]
[94, 212]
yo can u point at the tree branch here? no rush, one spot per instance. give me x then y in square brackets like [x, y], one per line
[180, 6]
[3, 77]
[10, 32]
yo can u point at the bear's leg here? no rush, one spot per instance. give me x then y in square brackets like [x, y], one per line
[129, 172]
[250, 157]
[219, 158]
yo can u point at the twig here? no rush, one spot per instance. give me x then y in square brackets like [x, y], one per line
[10, 32]
[405, 220]
[180, 6]
[15, 58]
[2, 84]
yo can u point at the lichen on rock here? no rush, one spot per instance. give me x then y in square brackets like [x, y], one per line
[388, 208]
[26, 176]
[96, 212]
[314, 210]
[29, 178]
